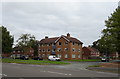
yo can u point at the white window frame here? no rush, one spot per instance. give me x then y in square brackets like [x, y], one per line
[73, 56]
[66, 49]
[59, 49]
[66, 55]
[79, 56]
[59, 55]
[73, 49]
[79, 50]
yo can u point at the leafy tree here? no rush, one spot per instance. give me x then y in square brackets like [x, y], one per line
[27, 41]
[7, 40]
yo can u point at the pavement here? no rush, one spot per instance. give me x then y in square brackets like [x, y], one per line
[105, 69]
[14, 70]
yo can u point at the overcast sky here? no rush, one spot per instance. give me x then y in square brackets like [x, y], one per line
[83, 20]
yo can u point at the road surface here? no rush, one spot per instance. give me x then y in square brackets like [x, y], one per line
[27, 70]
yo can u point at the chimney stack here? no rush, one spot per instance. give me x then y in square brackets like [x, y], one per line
[46, 37]
[68, 35]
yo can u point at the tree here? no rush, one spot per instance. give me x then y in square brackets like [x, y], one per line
[110, 40]
[7, 40]
[27, 41]
[112, 31]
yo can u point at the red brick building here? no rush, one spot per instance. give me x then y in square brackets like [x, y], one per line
[89, 52]
[29, 52]
[64, 47]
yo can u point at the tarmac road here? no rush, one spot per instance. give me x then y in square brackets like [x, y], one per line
[27, 70]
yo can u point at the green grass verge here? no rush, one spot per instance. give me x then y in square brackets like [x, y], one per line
[95, 66]
[84, 60]
[37, 62]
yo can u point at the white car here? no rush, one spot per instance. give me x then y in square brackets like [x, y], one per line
[53, 58]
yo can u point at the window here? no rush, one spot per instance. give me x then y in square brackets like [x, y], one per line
[59, 43]
[73, 55]
[78, 50]
[66, 43]
[53, 44]
[59, 56]
[73, 49]
[43, 50]
[39, 50]
[66, 49]
[43, 55]
[73, 43]
[79, 56]
[53, 50]
[48, 55]
[48, 50]
[39, 45]
[66, 55]
[48, 44]
[79, 44]
[59, 49]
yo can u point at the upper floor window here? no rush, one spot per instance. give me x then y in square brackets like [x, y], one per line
[73, 43]
[59, 43]
[53, 50]
[43, 50]
[78, 44]
[66, 49]
[66, 43]
[49, 44]
[48, 50]
[78, 50]
[59, 49]
[53, 44]
[73, 49]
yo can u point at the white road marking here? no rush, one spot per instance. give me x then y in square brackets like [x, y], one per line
[3, 74]
[108, 73]
[57, 73]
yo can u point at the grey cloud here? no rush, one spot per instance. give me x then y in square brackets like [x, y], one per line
[83, 20]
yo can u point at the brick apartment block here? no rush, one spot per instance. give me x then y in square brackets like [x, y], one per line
[65, 47]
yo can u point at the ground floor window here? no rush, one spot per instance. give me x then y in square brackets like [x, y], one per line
[73, 55]
[48, 55]
[66, 55]
[59, 56]
[79, 56]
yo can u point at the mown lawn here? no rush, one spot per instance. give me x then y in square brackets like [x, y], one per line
[85, 60]
[37, 62]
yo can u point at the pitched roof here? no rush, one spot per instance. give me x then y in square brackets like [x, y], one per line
[53, 40]
[91, 49]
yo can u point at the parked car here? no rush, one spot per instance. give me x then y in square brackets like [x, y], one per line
[37, 58]
[19, 56]
[105, 59]
[53, 58]
[24, 57]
